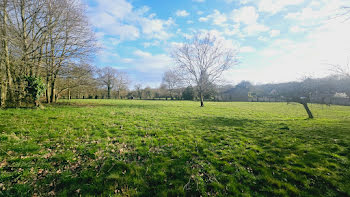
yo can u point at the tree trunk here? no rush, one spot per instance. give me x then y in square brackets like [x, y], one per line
[202, 99]
[3, 95]
[47, 91]
[8, 95]
[53, 92]
[24, 39]
[108, 92]
[309, 113]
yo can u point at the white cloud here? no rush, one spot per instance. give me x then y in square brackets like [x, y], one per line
[246, 15]
[182, 13]
[274, 33]
[203, 19]
[255, 29]
[296, 29]
[149, 63]
[149, 44]
[292, 60]
[233, 30]
[198, 1]
[142, 53]
[317, 13]
[156, 28]
[120, 18]
[275, 6]
[217, 17]
[247, 49]
[262, 38]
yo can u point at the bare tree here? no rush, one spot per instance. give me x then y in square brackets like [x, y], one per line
[39, 38]
[171, 81]
[108, 78]
[342, 70]
[74, 76]
[298, 92]
[139, 91]
[202, 60]
[122, 83]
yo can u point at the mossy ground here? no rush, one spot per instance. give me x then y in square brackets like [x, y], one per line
[174, 148]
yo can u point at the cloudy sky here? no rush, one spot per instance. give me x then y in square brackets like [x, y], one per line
[279, 40]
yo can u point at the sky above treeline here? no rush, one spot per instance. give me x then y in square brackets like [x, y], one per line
[279, 40]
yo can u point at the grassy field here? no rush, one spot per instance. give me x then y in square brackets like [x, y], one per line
[174, 148]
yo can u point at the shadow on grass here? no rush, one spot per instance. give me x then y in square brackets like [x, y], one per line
[95, 104]
[225, 122]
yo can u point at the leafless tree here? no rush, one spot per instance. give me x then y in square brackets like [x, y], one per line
[108, 78]
[342, 70]
[74, 76]
[202, 60]
[171, 81]
[39, 38]
[122, 83]
[139, 91]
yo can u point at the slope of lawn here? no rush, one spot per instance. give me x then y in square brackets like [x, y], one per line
[174, 148]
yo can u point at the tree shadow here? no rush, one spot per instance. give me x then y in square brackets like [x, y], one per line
[95, 104]
[226, 122]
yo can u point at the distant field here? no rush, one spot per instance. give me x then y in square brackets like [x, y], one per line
[174, 148]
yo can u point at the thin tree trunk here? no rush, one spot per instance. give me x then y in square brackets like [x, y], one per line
[307, 109]
[201, 98]
[47, 90]
[3, 95]
[53, 92]
[8, 93]
[24, 37]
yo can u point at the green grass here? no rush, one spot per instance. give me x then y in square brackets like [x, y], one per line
[174, 148]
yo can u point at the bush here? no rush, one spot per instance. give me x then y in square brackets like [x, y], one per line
[35, 88]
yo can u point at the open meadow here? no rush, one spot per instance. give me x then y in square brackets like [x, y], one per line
[174, 148]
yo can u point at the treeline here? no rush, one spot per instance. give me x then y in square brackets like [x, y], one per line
[45, 47]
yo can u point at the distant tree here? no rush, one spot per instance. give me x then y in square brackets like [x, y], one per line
[107, 76]
[74, 76]
[343, 71]
[244, 85]
[202, 60]
[122, 83]
[148, 92]
[188, 93]
[299, 92]
[138, 90]
[171, 81]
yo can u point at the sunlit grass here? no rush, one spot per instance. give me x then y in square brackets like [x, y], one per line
[174, 148]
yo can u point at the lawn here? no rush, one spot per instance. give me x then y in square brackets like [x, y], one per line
[174, 148]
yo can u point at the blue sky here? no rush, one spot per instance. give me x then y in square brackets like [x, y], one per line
[279, 40]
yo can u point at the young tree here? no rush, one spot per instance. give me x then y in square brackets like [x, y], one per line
[202, 61]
